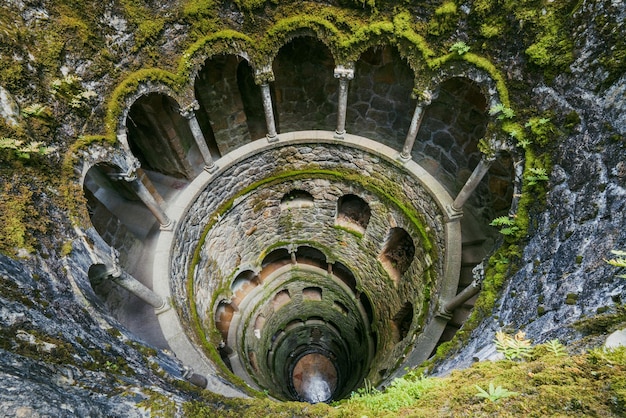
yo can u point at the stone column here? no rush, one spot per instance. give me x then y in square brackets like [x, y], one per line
[344, 74]
[188, 112]
[134, 286]
[263, 78]
[472, 182]
[152, 202]
[467, 293]
[418, 114]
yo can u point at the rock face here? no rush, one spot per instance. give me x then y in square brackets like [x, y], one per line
[562, 274]
[57, 357]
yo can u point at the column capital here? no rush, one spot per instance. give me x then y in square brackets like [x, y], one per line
[344, 72]
[264, 75]
[424, 97]
[489, 158]
[131, 171]
[188, 112]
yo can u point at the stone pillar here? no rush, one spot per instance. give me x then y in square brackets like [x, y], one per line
[263, 78]
[344, 74]
[418, 114]
[128, 282]
[472, 182]
[467, 293]
[188, 112]
[152, 201]
[269, 113]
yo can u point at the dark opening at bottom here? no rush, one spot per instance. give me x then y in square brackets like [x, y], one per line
[314, 378]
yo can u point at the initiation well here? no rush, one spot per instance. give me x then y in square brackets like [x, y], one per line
[270, 265]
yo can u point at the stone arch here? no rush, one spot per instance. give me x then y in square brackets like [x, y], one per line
[221, 112]
[280, 35]
[482, 79]
[305, 89]
[397, 253]
[110, 205]
[160, 137]
[223, 316]
[345, 275]
[452, 126]
[380, 106]
[279, 254]
[296, 199]
[252, 100]
[243, 284]
[310, 255]
[353, 212]
[402, 321]
[222, 42]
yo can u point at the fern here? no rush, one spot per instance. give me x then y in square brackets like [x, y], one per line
[503, 221]
[460, 48]
[502, 111]
[508, 224]
[495, 392]
[516, 347]
[536, 175]
[556, 348]
[619, 261]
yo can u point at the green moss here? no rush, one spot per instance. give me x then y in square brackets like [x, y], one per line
[549, 385]
[571, 299]
[444, 20]
[604, 322]
[349, 230]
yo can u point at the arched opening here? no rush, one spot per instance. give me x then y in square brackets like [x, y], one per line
[312, 293]
[379, 97]
[296, 199]
[114, 209]
[353, 213]
[281, 299]
[222, 114]
[401, 323]
[345, 275]
[223, 317]
[251, 100]
[310, 255]
[161, 139]
[452, 125]
[304, 86]
[398, 253]
[242, 285]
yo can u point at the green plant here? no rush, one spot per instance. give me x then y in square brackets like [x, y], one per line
[401, 393]
[556, 348]
[536, 175]
[502, 111]
[36, 110]
[507, 225]
[24, 151]
[460, 48]
[620, 261]
[495, 393]
[513, 347]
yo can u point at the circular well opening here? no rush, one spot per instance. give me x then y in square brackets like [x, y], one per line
[314, 378]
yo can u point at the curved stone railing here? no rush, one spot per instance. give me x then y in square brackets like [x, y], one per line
[200, 205]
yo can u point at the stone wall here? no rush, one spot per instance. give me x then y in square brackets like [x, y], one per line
[243, 234]
[305, 90]
[221, 112]
[379, 97]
